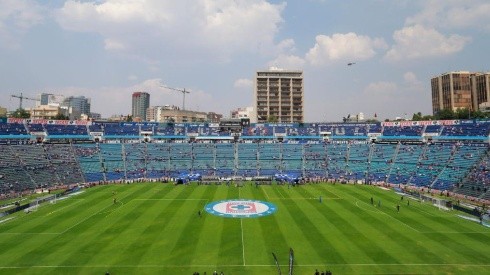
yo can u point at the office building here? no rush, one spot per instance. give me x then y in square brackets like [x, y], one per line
[51, 99]
[480, 90]
[74, 106]
[460, 90]
[279, 96]
[140, 103]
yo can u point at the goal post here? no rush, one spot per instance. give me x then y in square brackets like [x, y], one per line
[442, 204]
[33, 206]
[54, 199]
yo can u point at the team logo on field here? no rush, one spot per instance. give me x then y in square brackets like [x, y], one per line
[240, 208]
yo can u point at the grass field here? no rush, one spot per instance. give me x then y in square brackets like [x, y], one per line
[155, 229]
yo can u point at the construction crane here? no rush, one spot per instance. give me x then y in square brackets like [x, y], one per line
[183, 91]
[21, 98]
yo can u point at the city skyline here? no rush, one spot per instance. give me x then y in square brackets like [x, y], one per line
[106, 50]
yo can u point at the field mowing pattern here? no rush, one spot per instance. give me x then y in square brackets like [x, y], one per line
[155, 229]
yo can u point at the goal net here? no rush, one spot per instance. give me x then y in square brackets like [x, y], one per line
[442, 204]
[33, 206]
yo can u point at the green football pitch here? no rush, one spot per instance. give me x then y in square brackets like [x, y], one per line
[155, 229]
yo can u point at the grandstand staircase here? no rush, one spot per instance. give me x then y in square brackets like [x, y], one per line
[347, 158]
[124, 160]
[235, 159]
[77, 162]
[419, 161]
[393, 160]
[102, 165]
[370, 157]
[446, 166]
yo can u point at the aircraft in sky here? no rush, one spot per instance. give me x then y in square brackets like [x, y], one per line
[351, 63]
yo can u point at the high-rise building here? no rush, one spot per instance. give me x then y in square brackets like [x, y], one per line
[141, 102]
[480, 89]
[51, 99]
[75, 106]
[279, 96]
[459, 90]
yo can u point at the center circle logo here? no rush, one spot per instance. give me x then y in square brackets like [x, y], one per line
[240, 208]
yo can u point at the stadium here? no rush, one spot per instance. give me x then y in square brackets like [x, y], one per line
[334, 198]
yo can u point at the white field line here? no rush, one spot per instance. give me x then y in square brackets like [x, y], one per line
[265, 192]
[40, 233]
[83, 220]
[61, 208]
[169, 199]
[302, 198]
[453, 232]
[241, 228]
[236, 265]
[323, 187]
[243, 243]
[7, 219]
[381, 212]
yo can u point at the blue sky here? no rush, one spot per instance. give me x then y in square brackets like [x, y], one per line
[107, 49]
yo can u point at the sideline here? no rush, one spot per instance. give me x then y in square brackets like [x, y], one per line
[249, 265]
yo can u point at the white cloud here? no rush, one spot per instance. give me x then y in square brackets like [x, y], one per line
[418, 41]
[112, 44]
[453, 14]
[16, 17]
[350, 46]
[290, 62]
[381, 89]
[411, 79]
[243, 83]
[187, 29]
[286, 46]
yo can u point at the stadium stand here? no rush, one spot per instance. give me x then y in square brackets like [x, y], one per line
[12, 129]
[446, 155]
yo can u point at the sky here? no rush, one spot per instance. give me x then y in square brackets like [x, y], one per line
[108, 49]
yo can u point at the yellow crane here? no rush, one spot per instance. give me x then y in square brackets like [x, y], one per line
[183, 91]
[21, 98]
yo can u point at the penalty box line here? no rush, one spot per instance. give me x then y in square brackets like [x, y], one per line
[384, 213]
[101, 211]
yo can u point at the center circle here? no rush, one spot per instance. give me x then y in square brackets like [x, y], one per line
[240, 208]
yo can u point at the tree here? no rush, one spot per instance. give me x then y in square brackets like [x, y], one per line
[417, 116]
[479, 114]
[445, 114]
[129, 118]
[60, 117]
[463, 113]
[272, 118]
[21, 113]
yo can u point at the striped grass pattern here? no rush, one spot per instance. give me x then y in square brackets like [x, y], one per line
[155, 229]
